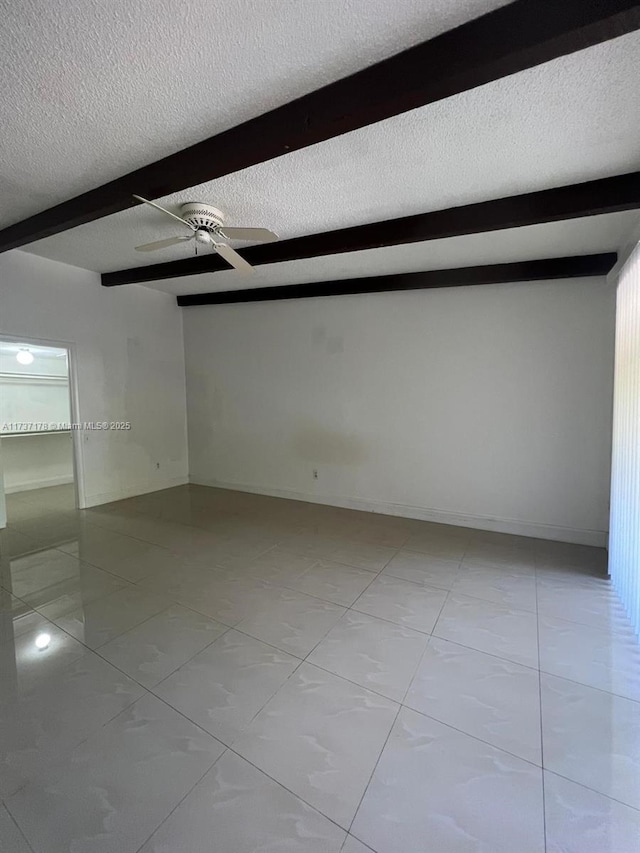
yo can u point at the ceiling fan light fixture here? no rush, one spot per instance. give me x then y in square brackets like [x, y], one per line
[208, 229]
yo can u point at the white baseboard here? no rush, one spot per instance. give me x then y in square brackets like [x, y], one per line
[578, 536]
[38, 484]
[133, 492]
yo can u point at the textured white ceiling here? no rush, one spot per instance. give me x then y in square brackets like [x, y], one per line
[551, 240]
[94, 90]
[570, 120]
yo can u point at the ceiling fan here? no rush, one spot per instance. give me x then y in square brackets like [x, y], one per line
[208, 229]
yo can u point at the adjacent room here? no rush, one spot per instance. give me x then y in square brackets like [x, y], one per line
[320, 426]
[36, 439]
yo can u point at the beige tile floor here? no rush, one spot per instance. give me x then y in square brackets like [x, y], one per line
[229, 673]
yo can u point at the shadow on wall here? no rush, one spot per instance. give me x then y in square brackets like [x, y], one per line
[328, 446]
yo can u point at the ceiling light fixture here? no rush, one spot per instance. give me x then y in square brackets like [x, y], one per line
[24, 356]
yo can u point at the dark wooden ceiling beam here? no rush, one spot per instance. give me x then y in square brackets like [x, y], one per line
[542, 270]
[517, 36]
[607, 195]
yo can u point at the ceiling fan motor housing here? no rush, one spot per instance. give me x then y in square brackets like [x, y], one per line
[202, 216]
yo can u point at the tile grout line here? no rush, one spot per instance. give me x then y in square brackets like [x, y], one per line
[173, 671]
[261, 708]
[375, 767]
[227, 747]
[350, 607]
[415, 672]
[15, 822]
[401, 703]
[146, 690]
[473, 737]
[348, 836]
[375, 575]
[178, 804]
[544, 801]
[115, 637]
[594, 791]
[248, 761]
[79, 743]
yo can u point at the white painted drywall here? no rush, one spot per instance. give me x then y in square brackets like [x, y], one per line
[487, 406]
[30, 403]
[129, 362]
[36, 461]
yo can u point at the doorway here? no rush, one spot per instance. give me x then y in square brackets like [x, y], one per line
[38, 444]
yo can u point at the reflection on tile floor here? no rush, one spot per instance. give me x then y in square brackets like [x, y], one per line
[197, 669]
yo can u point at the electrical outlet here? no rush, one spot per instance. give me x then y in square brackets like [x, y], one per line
[157, 464]
[315, 473]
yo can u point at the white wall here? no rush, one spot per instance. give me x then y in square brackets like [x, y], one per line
[487, 406]
[37, 402]
[130, 367]
[36, 461]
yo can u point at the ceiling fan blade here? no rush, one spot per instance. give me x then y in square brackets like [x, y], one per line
[232, 257]
[161, 244]
[259, 235]
[164, 210]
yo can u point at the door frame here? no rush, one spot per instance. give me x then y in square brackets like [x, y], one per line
[74, 408]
